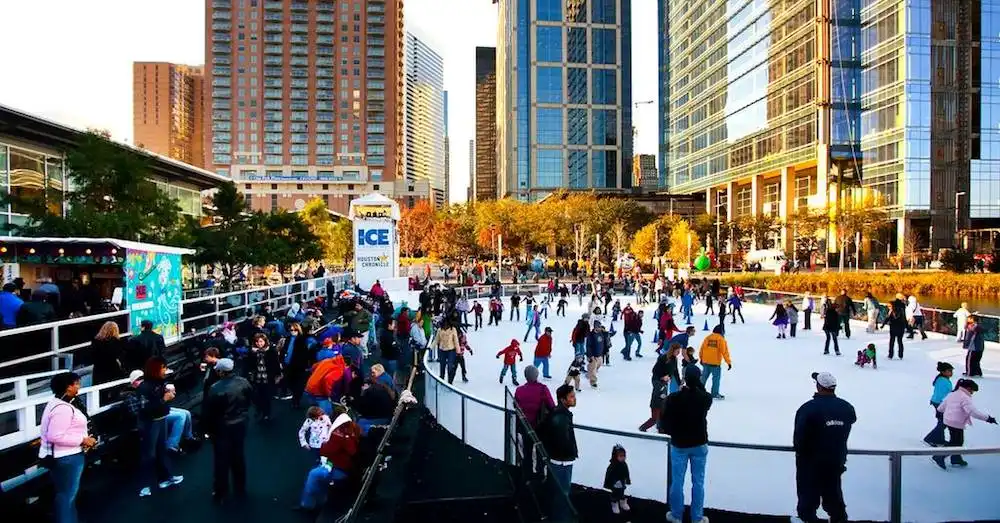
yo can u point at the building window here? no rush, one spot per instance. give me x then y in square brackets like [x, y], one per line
[576, 85]
[549, 125]
[602, 11]
[550, 86]
[549, 10]
[576, 11]
[604, 165]
[744, 201]
[274, 203]
[605, 127]
[605, 84]
[772, 198]
[803, 189]
[576, 45]
[550, 168]
[604, 46]
[578, 169]
[548, 43]
[577, 126]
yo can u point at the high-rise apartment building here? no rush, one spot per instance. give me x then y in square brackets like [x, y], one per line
[778, 105]
[484, 182]
[307, 100]
[644, 172]
[424, 116]
[471, 191]
[447, 155]
[564, 96]
[168, 110]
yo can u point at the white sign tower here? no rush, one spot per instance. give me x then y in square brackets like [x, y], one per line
[376, 242]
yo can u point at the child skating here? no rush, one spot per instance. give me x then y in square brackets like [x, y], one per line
[616, 480]
[780, 318]
[942, 388]
[575, 370]
[477, 310]
[510, 355]
[867, 355]
[958, 410]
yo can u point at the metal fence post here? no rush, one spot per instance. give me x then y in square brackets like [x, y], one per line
[464, 438]
[55, 347]
[896, 487]
[436, 410]
[669, 475]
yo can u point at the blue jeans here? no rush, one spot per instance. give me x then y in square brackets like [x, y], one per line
[178, 427]
[936, 435]
[629, 338]
[679, 458]
[366, 424]
[155, 463]
[446, 358]
[563, 476]
[714, 372]
[543, 365]
[532, 326]
[391, 366]
[673, 386]
[579, 349]
[65, 475]
[318, 484]
[513, 372]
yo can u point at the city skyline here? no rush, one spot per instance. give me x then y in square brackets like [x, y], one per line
[178, 37]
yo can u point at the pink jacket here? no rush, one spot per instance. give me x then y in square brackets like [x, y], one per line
[63, 429]
[958, 410]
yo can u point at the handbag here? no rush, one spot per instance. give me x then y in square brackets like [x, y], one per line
[49, 461]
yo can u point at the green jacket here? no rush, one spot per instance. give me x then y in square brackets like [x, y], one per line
[358, 320]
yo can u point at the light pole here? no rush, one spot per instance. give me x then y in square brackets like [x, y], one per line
[689, 250]
[957, 230]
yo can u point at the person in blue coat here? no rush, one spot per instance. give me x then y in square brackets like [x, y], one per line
[10, 304]
[736, 307]
[687, 306]
[683, 339]
[942, 387]
[598, 343]
[534, 321]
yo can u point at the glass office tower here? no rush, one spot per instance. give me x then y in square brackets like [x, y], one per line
[564, 98]
[774, 105]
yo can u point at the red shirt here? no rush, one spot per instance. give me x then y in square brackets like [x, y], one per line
[544, 347]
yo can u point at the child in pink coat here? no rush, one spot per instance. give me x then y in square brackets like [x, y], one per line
[958, 410]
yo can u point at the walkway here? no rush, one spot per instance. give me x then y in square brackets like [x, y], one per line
[276, 471]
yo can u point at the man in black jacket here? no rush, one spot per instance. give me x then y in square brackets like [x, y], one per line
[822, 426]
[846, 310]
[559, 440]
[685, 419]
[897, 325]
[143, 346]
[226, 409]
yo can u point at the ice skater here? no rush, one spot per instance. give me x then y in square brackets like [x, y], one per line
[780, 320]
[957, 412]
[510, 355]
[831, 326]
[736, 307]
[942, 387]
[867, 355]
[477, 311]
[576, 368]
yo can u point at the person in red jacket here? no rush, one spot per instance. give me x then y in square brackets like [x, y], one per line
[543, 351]
[510, 354]
[337, 460]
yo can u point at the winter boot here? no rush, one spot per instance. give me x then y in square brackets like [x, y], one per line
[959, 463]
[939, 461]
[624, 505]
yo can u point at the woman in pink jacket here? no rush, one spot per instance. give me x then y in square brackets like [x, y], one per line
[958, 411]
[64, 438]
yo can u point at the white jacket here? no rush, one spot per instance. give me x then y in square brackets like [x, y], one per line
[962, 318]
[913, 308]
[807, 303]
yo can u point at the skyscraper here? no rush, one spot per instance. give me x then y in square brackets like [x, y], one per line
[644, 172]
[564, 111]
[764, 111]
[424, 116]
[168, 110]
[306, 99]
[485, 181]
[447, 155]
[470, 193]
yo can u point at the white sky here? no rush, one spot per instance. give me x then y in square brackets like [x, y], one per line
[71, 60]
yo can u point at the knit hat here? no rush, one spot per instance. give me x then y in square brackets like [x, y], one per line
[224, 365]
[531, 373]
[135, 376]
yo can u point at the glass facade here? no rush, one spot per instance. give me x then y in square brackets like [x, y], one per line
[984, 194]
[563, 81]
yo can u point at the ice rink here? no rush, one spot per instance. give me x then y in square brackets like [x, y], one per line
[769, 381]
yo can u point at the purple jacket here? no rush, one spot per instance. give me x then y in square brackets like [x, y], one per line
[531, 397]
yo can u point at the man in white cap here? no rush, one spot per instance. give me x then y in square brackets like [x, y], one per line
[226, 409]
[822, 426]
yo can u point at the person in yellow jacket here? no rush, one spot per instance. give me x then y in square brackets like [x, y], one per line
[714, 350]
[446, 343]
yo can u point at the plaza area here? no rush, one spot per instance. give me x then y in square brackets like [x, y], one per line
[769, 381]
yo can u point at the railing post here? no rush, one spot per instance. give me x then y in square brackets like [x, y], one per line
[464, 440]
[896, 487]
[216, 321]
[54, 346]
[26, 415]
[669, 478]
[436, 410]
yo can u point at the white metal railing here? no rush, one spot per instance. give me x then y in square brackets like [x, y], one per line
[247, 300]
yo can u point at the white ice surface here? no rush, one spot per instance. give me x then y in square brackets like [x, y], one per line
[769, 381]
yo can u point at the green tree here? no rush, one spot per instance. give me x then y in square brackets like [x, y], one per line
[761, 229]
[343, 241]
[111, 196]
[231, 242]
[415, 227]
[858, 218]
[684, 244]
[317, 217]
[808, 226]
[287, 240]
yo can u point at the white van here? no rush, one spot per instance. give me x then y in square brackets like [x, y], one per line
[771, 260]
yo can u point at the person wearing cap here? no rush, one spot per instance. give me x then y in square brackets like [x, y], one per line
[510, 355]
[543, 352]
[822, 427]
[684, 417]
[226, 413]
[957, 412]
[351, 348]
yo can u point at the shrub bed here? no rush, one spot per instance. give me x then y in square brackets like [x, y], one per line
[879, 283]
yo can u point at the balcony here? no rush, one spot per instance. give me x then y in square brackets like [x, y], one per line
[273, 71]
[222, 15]
[300, 17]
[273, 93]
[324, 17]
[324, 28]
[273, 38]
[274, 28]
[299, 39]
[272, 60]
[300, 6]
[376, 19]
[300, 61]
[222, 26]
[222, 93]
[222, 37]
[274, 49]
[222, 4]
[273, 82]
[300, 50]
[300, 28]
[221, 82]
[274, 6]
[270, 16]
[221, 71]
[375, 8]
[222, 49]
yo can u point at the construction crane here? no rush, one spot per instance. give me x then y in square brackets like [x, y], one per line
[636, 109]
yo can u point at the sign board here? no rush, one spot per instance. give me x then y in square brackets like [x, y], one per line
[10, 272]
[153, 291]
[376, 240]
[369, 212]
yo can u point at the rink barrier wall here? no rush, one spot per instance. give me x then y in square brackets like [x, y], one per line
[941, 321]
[433, 385]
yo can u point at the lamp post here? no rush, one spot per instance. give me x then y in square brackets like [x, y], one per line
[957, 230]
